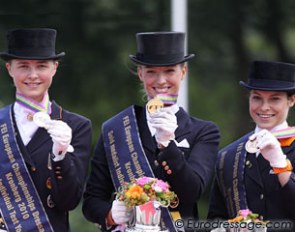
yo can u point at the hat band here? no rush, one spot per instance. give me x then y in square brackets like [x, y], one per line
[32, 52]
[272, 84]
[154, 58]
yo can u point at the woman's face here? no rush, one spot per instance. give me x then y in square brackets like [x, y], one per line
[161, 80]
[32, 77]
[269, 109]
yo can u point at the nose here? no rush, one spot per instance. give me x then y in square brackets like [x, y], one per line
[161, 78]
[32, 73]
[265, 106]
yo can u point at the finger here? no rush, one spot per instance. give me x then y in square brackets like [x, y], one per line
[253, 137]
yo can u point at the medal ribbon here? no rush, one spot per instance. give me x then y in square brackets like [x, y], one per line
[284, 133]
[33, 105]
[167, 99]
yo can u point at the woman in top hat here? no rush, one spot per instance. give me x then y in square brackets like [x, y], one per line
[255, 172]
[169, 144]
[45, 148]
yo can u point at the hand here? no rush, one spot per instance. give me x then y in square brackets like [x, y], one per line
[270, 148]
[61, 135]
[120, 213]
[165, 123]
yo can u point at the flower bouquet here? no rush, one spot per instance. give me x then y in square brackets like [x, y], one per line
[247, 221]
[146, 195]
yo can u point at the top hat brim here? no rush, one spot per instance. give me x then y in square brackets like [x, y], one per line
[7, 56]
[155, 62]
[277, 86]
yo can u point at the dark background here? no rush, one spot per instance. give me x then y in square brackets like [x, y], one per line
[95, 78]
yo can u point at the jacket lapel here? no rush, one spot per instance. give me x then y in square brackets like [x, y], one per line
[252, 169]
[183, 124]
[20, 143]
[148, 141]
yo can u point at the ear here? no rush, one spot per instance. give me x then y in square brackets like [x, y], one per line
[8, 67]
[292, 100]
[139, 72]
[183, 71]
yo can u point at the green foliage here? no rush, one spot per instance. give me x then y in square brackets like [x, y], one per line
[95, 78]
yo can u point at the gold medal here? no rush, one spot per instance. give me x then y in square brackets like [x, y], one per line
[154, 104]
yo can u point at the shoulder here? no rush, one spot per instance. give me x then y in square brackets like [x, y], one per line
[69, 116]
[191, 121]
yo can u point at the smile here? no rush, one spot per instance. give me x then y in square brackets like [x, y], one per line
[161, 90]
[266, 115]
[32, 84]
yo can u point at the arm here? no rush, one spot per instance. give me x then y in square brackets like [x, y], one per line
[217, 206]
[99, 189]
[68, 175]
[288, 190]
[192, 168]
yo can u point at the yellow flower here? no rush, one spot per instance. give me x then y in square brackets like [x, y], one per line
[236, 219]
[134, 192]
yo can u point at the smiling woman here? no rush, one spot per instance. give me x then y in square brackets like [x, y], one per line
[168, 143]
[32, 77]
[268, 108]
[262, 179]
[47, 160]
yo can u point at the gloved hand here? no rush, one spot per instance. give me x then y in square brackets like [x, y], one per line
[120, 212]
[61, 135]
[165, 123]
[270, 148]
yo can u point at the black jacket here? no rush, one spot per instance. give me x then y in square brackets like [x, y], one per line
[60, 184]
[191, 167]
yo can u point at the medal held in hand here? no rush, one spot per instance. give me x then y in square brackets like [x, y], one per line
[251, 146]
[42, 119]
[154, 104]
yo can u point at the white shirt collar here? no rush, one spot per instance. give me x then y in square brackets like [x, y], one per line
[27, 128]
[278, 127]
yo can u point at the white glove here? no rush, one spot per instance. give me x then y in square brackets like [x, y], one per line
[165, 123]
[270, 148]
[120, 212]
[61, 135]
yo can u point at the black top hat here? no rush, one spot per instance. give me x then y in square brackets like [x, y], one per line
[271, 76]
[31, 44]
[160, 49]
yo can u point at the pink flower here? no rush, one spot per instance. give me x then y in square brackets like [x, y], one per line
[245, 212]
[143, 180]
[160, 186]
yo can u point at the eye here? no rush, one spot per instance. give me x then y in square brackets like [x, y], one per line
[150, 71]
[170, 70]
[42, 65]
[275, 99]
[23, 66]
[255, 97]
